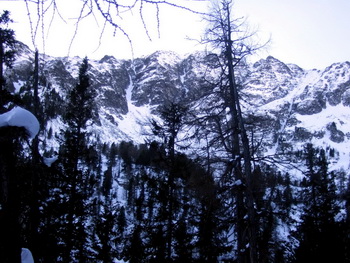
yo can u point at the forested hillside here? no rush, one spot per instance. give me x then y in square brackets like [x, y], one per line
[202, 158]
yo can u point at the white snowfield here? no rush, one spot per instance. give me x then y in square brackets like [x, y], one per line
[20, 117]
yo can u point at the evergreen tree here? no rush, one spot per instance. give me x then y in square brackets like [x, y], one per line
[210, 242]
[173, 116]
[120, 239]
[18, 192]
[74, 154]
[273, 197]
[320, 235]
[136, 253]
[105, 223]
[7, 55]
[36, 174]
[10, 152]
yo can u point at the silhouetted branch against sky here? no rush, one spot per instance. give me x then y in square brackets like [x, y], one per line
[222, 20]
[311, 34]
[101, 17]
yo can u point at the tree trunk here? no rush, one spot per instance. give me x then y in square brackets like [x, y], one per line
[10, 247]
[239, 123]
[2, 79]
[36, 174]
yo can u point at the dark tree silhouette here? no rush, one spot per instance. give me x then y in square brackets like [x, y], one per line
[74, 153]
[10, 150]
[7, 54]
[232, 41]
[321, 238]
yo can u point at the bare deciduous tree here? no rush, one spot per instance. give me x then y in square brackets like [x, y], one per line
[234, 42]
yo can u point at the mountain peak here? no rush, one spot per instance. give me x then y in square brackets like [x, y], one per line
[165, 57]
[108, 59]
[278, 93]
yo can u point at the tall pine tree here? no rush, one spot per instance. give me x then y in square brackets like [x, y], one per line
[7, 54]
[74, 152]
[320, 235]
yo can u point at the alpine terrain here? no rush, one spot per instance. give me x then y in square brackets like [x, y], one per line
[133, 159]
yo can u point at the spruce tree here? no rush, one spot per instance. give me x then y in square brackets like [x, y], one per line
[320, 235]
[174, 119]
[74, 153]
[7, 55]
[210, 243]
[10, 151]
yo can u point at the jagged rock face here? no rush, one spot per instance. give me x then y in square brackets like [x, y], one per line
[310, 106]
[300, 103]
[110, 78]
[199, 71]
[157, 79]
[288, 104]
[336, 135]
[165, 77]
[271, 79]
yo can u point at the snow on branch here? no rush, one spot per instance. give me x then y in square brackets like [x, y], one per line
[20, 117]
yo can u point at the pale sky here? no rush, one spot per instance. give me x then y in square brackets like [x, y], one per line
[309, 33]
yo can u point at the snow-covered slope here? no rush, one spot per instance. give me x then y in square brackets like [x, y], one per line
[291, 106]
[303, 106]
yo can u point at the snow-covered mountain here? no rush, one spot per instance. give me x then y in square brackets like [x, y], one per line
[137, 194]
[291, 106]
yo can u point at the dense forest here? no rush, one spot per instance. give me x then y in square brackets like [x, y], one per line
[156, 202]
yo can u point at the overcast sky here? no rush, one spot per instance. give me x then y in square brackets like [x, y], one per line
[309, 33]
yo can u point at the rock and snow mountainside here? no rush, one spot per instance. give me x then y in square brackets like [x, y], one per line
[300, 106]
[291, 106]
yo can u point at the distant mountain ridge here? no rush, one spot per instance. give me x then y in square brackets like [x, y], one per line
[291, 106]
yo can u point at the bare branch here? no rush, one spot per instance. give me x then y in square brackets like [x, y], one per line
[112, 13]
[144, 22]
[30, 22]
[81, 17]
[55, 10]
